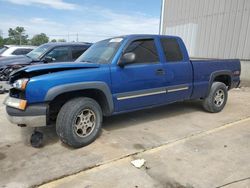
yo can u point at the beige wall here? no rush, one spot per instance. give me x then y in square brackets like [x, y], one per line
[245, 73]
[210, 28]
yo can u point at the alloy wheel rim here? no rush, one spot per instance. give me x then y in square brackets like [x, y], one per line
[219, 98]
[84, 123]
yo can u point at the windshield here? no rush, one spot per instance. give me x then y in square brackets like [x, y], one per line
[3, 49]
[37, 53]
[101, 52]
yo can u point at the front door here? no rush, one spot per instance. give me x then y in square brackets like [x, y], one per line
[139, 84]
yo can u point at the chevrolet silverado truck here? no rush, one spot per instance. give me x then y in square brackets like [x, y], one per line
[114, 76]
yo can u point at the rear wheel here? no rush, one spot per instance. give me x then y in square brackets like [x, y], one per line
[79, 122]
[217, 98]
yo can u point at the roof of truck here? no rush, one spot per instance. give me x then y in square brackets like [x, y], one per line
[148, 35]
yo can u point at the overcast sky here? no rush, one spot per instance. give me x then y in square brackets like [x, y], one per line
[93, 20]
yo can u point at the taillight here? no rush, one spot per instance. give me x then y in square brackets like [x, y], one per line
[236, 73]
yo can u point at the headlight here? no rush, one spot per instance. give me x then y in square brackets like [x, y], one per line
[20, 84]
[16, 103]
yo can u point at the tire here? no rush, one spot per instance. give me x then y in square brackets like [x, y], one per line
[217, 98]
[79, 122]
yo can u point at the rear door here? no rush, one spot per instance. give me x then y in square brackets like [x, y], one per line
[178, 69]
[139, 84]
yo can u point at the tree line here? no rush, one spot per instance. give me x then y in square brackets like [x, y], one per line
[17, 36]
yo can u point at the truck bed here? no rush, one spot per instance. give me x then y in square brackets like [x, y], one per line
[203, 71]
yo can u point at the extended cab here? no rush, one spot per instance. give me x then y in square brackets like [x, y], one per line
[113, 76]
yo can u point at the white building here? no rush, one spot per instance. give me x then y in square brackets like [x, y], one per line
[210, 28]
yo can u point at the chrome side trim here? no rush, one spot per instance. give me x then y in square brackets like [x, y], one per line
[141, 95]
[177, 89]
[149, 92]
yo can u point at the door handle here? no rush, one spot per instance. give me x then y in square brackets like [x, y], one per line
[160, 72]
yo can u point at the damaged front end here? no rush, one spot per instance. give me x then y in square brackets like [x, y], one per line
[19, 91]
[5, 73]
[37, 70]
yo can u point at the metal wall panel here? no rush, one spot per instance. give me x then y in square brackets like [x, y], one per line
[210, 28]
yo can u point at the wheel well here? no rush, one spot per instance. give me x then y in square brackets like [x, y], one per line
[56, 104]
[226, 79]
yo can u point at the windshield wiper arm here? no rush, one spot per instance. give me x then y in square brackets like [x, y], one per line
[87, 61]
[29, 57]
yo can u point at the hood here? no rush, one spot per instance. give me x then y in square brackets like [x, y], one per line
[20, 59]
[60, 66]
[36, 70]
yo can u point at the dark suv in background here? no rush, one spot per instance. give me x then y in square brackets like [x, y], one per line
[46, 53]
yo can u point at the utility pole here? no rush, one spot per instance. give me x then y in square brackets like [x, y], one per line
[161, 26]
[76, 37]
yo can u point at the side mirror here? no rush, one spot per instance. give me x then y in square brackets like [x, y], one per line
[127, 58]
[48, 59]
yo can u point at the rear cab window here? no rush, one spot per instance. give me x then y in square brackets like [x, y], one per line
[172, 50]
[145, 51]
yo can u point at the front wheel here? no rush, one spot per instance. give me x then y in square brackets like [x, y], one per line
[217, 98]
[79, 122]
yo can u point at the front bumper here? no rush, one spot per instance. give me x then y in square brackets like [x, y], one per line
[32, 116]
[29, 121]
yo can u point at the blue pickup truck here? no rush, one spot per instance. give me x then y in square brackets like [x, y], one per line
[114, 76]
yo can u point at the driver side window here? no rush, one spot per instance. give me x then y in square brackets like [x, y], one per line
[59, 54]
[144, 50]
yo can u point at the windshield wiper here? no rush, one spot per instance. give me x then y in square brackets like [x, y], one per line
[31, 58]
[87, 61]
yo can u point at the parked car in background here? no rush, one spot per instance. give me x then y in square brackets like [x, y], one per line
[115, 76]
[46, 53]
[12, 50]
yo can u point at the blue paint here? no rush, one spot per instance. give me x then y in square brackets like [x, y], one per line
[197, 76]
